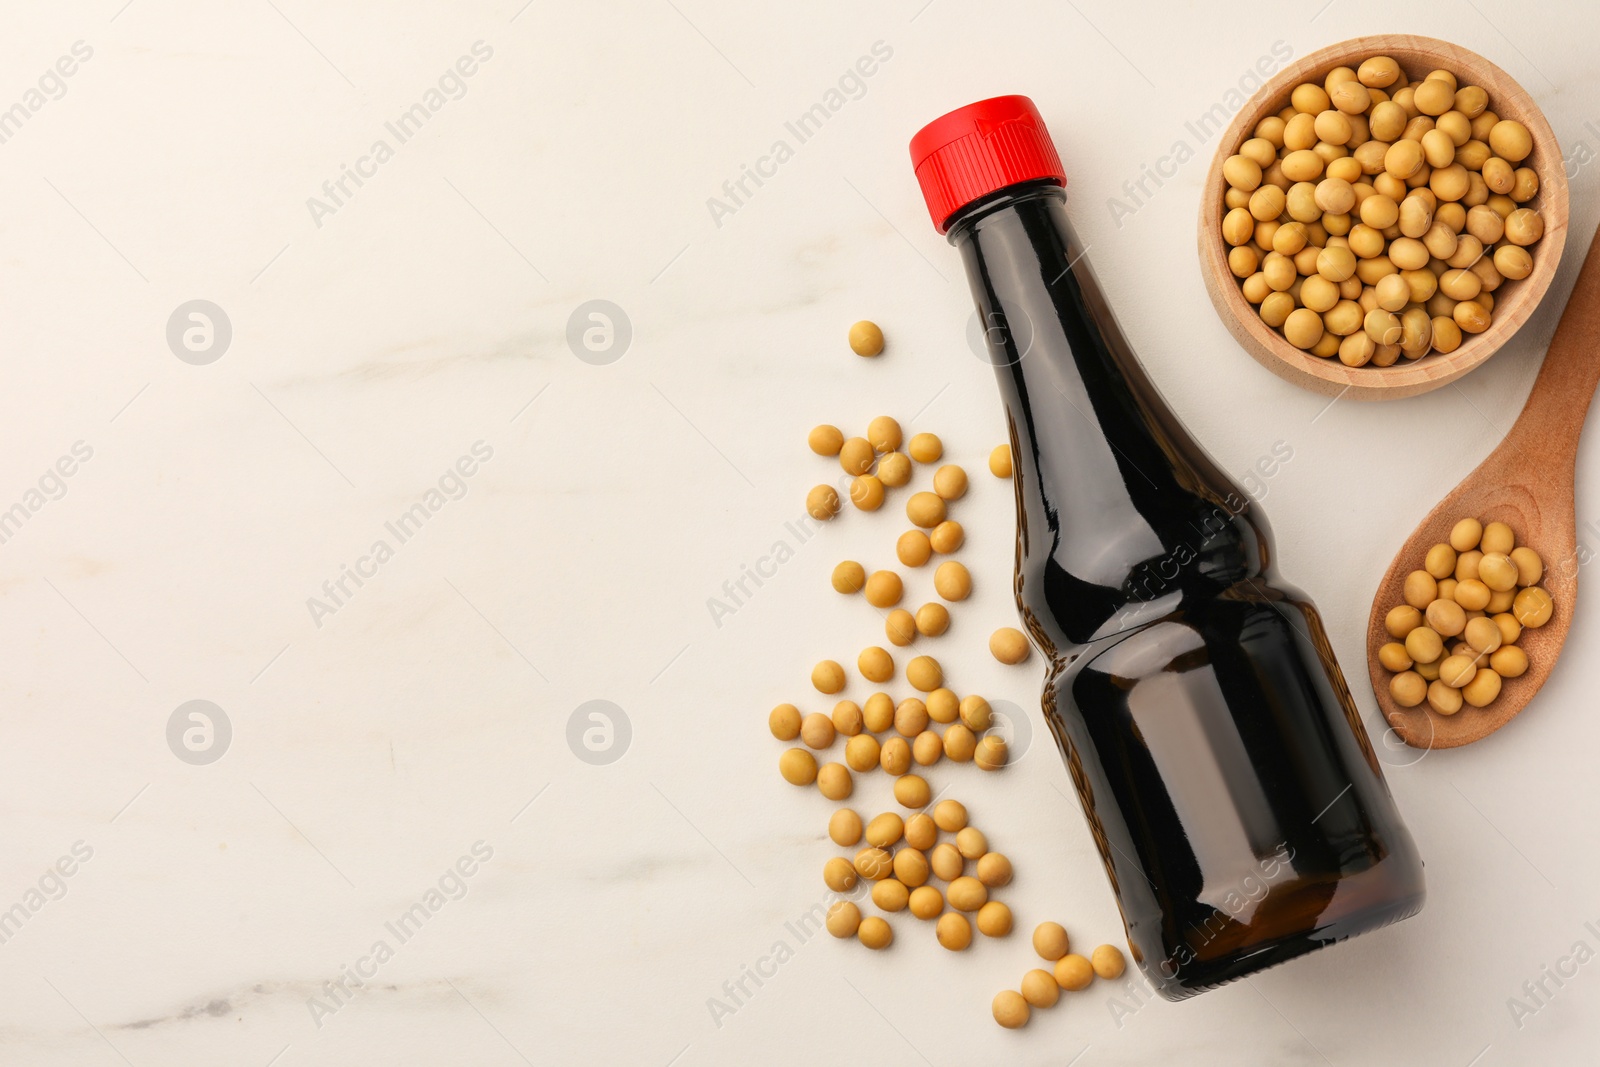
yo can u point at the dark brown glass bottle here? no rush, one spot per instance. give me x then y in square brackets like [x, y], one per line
[1225, 773]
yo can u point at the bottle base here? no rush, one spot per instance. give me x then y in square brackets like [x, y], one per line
[1198, 976]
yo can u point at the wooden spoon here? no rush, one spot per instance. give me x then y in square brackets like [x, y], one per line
[1526, 483]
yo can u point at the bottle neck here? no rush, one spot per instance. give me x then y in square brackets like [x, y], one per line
[1120, 513]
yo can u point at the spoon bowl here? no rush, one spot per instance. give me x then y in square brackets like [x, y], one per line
[1526, 483]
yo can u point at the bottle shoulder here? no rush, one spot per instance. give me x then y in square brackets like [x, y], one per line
[1083, 592]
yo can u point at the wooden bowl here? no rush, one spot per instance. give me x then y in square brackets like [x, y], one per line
[1514, 300]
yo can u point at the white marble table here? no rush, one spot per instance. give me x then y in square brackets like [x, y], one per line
[376, 510]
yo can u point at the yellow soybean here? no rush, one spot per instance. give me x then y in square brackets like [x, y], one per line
[866, 339]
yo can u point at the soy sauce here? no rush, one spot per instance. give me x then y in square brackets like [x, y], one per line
[1226, 776]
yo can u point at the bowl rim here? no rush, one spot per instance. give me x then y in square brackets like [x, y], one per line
[1329, 376]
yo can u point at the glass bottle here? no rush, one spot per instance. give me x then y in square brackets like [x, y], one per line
[1222, 765]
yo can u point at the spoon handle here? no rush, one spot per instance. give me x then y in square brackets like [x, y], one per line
[1552, 419]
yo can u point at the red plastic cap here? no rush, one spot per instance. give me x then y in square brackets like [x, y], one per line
[979, 149]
